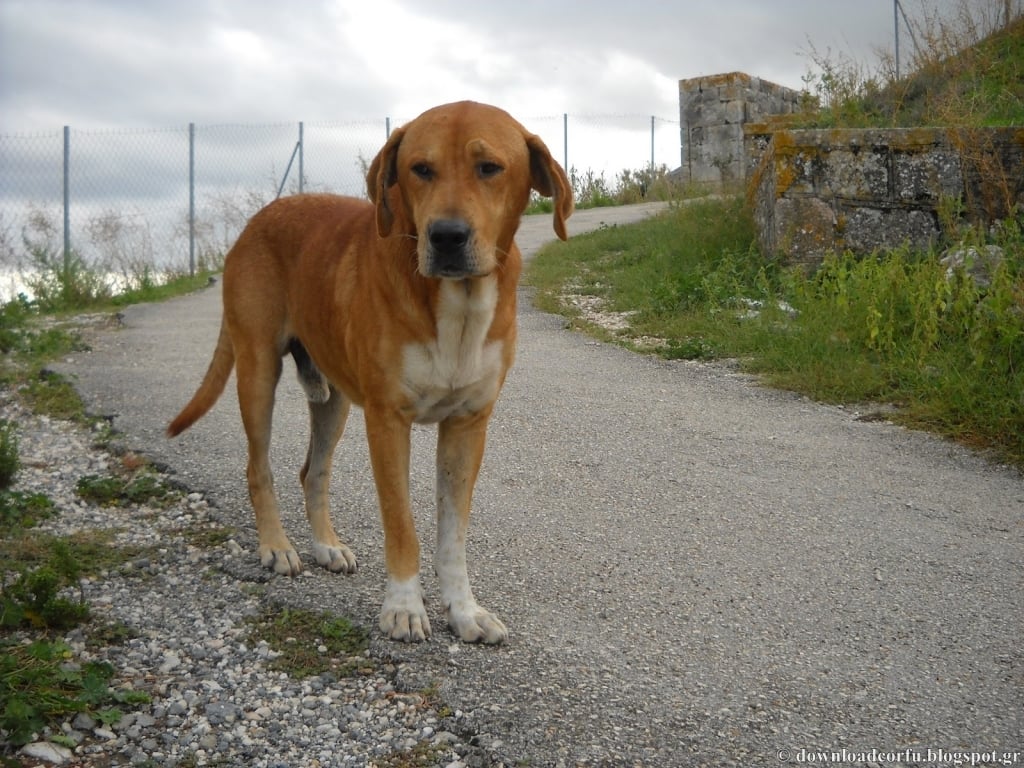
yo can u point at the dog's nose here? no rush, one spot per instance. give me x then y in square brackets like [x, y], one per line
[448, 236]
[449, 255]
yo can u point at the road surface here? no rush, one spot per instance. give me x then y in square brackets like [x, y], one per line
[695, 570]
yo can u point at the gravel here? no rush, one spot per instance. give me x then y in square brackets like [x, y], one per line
[214, 698]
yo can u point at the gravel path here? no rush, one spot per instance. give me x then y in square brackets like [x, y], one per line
[214, 699]
[695, 570]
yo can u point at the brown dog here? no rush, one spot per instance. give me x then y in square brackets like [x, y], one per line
[405, 306]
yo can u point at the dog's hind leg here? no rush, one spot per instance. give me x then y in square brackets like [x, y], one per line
[313, 382]
[327, 422]
[257, 373]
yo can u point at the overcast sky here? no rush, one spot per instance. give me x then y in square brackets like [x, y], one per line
[160, 63]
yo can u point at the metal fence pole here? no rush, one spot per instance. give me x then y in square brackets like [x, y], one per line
[565, 141]
[302, 149]
[192, 199]
[67, 207]
[652, 143]
[387, 128]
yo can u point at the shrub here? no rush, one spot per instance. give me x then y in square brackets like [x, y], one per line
[9, 462]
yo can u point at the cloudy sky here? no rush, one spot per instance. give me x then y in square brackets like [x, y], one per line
[159, 63]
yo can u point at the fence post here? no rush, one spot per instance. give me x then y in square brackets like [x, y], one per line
[192, 199]
[652, 143]
[387, 128]
[302, 149]
[565, 141]
[67, 208]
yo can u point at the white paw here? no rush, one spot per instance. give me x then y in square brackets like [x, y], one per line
[338, 559]
[474, 624]
[403, 617]
[283, 561]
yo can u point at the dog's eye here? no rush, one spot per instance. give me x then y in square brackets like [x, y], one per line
[424, 171]
[488, 170]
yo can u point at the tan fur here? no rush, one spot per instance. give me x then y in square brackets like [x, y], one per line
[405, 306]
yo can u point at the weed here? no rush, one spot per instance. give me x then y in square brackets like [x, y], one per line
[40, 685]
[51, 394]
[965, 70]
[141, 487]
[209, 538]
[90, 551]
[21, 509]
[310, 644]
[9, 462]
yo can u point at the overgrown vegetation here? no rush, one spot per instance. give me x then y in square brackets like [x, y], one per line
[591, 190]
[900, 328]
[120, 267]
[41, 683]
[965, 65]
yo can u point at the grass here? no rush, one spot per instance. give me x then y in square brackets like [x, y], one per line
[966, 68]
[946, 351]
[310, 644]
[591, 190]
[41, 683]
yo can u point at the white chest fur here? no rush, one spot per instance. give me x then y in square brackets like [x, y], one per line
[459, 371]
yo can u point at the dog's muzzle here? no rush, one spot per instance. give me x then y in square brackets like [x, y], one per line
[450, 253]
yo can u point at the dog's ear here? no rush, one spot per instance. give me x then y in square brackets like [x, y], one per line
[382, 175]
[548, 178]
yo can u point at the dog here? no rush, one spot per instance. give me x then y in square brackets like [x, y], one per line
[404, 305]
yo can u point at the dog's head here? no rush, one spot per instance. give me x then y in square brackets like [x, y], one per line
[458, 178]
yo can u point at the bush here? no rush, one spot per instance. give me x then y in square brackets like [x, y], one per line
[9, 463]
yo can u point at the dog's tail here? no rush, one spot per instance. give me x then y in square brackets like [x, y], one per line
[211, 388]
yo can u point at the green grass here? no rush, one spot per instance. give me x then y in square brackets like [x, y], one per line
[40, 684]
[957, 77]
[140, 487]
[892, 329]
[311, 644]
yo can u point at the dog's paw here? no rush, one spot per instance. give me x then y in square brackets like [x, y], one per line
[337, 558]
[473, 624]
[283, 561]
[403, 617]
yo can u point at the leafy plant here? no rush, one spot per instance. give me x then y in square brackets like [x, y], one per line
[20, 509]
[40, 684]
[9, 462]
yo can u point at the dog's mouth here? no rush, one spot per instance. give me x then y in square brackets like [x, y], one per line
[450, 252]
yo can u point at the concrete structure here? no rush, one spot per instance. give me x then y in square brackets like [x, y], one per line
[816, 191]
[712, 113]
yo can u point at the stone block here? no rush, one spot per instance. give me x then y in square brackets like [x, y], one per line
[855, 173]
[868, 229]
[927, 177]
[735, 112]
[805, 228]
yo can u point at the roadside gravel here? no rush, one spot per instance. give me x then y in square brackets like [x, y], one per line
[215, 700]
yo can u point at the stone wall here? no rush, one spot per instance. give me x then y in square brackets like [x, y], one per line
[712, 113]
[816, 191]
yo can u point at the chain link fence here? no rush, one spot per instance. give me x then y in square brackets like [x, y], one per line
[132, 202]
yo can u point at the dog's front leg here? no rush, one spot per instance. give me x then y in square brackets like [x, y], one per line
[460, 449]
[402, 616]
